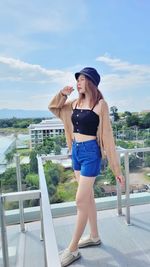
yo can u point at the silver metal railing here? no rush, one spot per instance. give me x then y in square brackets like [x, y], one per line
[10, 197]
[50, 245]
[19, 185]
[126, 153]
[47, 231]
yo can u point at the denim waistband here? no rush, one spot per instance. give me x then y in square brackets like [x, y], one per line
[83, 142]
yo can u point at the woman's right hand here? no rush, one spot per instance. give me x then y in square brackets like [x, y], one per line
[67, 90]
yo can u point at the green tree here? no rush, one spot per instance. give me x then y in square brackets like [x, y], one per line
[114, 112]
[145, 123]
[9, 156]
[133, 120]
[49, 143]
[147, 160]
[125, 144]
[8, 180]
[57, 149]
[32, 179]
[127, 114]
[51, 190]
[60, 140]
[67, 191]
[53, 172]
[109, 176]
[33, 162]
[25, 169]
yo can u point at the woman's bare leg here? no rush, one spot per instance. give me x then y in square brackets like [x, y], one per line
[92, 214]
[92, 217]
[83, 199]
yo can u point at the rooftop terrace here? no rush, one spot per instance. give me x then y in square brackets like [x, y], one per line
[122, 245]
[123, 221]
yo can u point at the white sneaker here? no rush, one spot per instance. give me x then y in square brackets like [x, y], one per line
[67, 257]
[89, 241]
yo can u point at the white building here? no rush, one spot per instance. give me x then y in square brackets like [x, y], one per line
[38, 132]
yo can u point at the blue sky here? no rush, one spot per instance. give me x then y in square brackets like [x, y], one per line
[43, 43]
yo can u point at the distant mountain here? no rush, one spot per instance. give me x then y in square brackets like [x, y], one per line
[22, 113]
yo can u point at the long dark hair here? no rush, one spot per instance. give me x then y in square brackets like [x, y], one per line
[93, 91]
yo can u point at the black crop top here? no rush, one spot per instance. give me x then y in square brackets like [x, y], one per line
[85, 121]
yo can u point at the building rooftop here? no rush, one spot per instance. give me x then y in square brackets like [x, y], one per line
[46, 124]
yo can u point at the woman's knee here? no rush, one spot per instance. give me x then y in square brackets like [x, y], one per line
[82, 202]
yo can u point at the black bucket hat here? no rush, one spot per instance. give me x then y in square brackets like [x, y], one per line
[91, 73]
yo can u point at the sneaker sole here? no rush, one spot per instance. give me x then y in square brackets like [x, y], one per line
[90, 244]
[71, 261]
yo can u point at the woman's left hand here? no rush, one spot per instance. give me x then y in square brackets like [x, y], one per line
[120, 179]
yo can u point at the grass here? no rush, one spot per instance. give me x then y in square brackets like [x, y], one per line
[67, 191]
[24, 151]
[14, 131]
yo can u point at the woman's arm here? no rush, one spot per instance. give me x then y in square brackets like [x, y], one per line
[108, 141]
[58, 104]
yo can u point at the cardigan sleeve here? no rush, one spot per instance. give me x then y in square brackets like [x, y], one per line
[58, 105]
[108, 141]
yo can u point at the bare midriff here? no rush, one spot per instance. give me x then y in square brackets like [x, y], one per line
[82, 137]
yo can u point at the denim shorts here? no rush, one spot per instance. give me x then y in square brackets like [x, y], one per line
[86, 157]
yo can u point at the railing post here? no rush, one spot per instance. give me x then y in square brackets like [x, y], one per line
[51, 256]
[41, 216]
[3, 233]
[19, 185]
[42, 232]
[119, 204]
[127, 188]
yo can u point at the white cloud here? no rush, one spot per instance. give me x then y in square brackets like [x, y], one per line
[124, 104]
[119, 65]
[31, 85]
[41, 96]
[16, 70]
[129, 104]
[124, 74]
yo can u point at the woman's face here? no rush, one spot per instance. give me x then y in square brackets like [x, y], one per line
[81, 84]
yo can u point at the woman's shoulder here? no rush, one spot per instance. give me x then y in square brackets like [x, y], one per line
[102, 105]
[73, 103]
[102, 101]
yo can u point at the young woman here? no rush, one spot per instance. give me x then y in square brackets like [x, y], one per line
[89, 137]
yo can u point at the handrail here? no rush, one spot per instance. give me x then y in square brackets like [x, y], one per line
[50, 245]
[126, 153]
[133, 150]
[47, 229]
[19, 186]
[3, 233]
[14, 196]
[22, 195]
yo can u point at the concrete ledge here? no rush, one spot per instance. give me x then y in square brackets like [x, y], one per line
[30, 214]
[69, 208]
